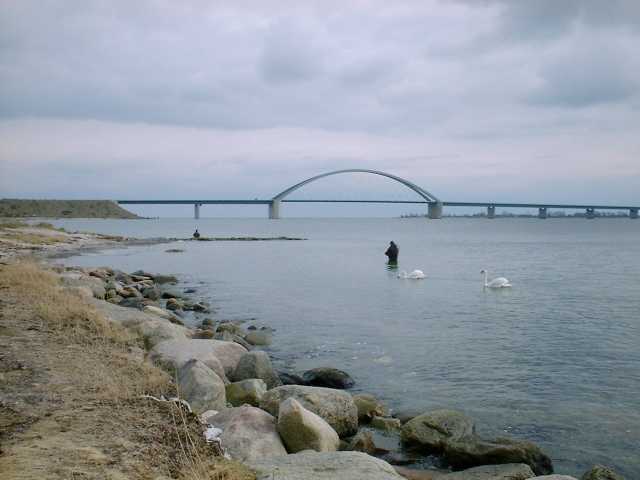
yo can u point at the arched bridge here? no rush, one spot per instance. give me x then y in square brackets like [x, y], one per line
[434, 203]
[274, 206]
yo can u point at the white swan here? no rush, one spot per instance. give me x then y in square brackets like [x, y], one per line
[499, 282]
[415, 275]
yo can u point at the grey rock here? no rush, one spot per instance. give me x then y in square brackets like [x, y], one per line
[231, 328]
[160, 312]
[328, 377]
[130, 292]
[324, 466]
[368, 407]
[171, 294]
[134, 302]
[386, 424]
[248, 391]
[433, 430]
[151, 328]
[554, 477]
[600, 472]
[473, 451]
[258, 337]
[248, 433]
[256, 364]
[288, 378]
[336, 407]
[509, 471]
[151, 293]
[174, 304]
[221, 357]
[362, 442]
[161, 279]
[201, 387]
[301, 429]
[79, 280]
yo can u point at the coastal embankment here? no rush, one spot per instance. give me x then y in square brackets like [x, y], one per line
[23, 208]
[101, 378]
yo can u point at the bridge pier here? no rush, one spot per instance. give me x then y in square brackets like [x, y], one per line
[590, 213]
[435, 210]
[491, 211]
[633, 213]
[274, 209]
[196, 210]
[542, 212]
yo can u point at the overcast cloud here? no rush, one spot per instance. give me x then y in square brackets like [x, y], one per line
[473, 100]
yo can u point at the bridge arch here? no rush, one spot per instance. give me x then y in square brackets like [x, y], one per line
[419, 190]
[274, 207]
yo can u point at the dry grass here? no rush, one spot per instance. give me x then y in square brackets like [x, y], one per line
[98, 373]
[62, 310]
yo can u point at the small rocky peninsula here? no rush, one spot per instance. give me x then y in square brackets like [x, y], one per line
[100, 373]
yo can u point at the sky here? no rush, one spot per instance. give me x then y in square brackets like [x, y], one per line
[473, 100]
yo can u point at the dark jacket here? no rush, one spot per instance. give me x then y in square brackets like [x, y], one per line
[392, 252]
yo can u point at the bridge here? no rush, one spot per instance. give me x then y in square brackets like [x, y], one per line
[434, 204]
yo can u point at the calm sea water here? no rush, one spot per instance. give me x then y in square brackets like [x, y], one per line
[555, 359]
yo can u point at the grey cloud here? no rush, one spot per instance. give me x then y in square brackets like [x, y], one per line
[365, 67]
[593, 75]
[289, 55]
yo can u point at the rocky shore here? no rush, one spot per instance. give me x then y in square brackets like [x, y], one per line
[288, 426]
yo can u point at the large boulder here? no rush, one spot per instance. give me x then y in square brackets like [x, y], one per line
[72, 279]
[248, 433]
[174, 353]
[159, 312]
[336, 407]
[368, 407]
[151, 328]
[328, 377]
[509, 471]
[301, 429]
[248, 391]
[155, 331]
[324, 466]
[256, 364]
[433, 430]
[473, 451]
[201, 387]
[600, 472]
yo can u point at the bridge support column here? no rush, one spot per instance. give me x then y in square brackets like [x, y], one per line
[590, 213]
[435, 210]
[491, 211]
[542, 212]
[196, 210]
[274, 209]
[633, 213]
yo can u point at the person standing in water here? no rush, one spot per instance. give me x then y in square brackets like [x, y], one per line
[196, 234]
[392, 252]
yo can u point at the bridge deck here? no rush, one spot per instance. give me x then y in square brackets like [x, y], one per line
[446, 204]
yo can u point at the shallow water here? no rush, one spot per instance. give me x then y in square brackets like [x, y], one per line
[554, 360]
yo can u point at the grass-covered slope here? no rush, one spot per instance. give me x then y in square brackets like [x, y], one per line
[63, 209]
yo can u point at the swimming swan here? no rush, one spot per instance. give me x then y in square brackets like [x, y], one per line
[415, 275]
[499, 282]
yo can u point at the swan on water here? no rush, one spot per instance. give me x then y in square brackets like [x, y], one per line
[499, 282]
[415, 275]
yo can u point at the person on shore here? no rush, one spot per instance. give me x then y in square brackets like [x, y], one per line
[196, 234]
[392, 253]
